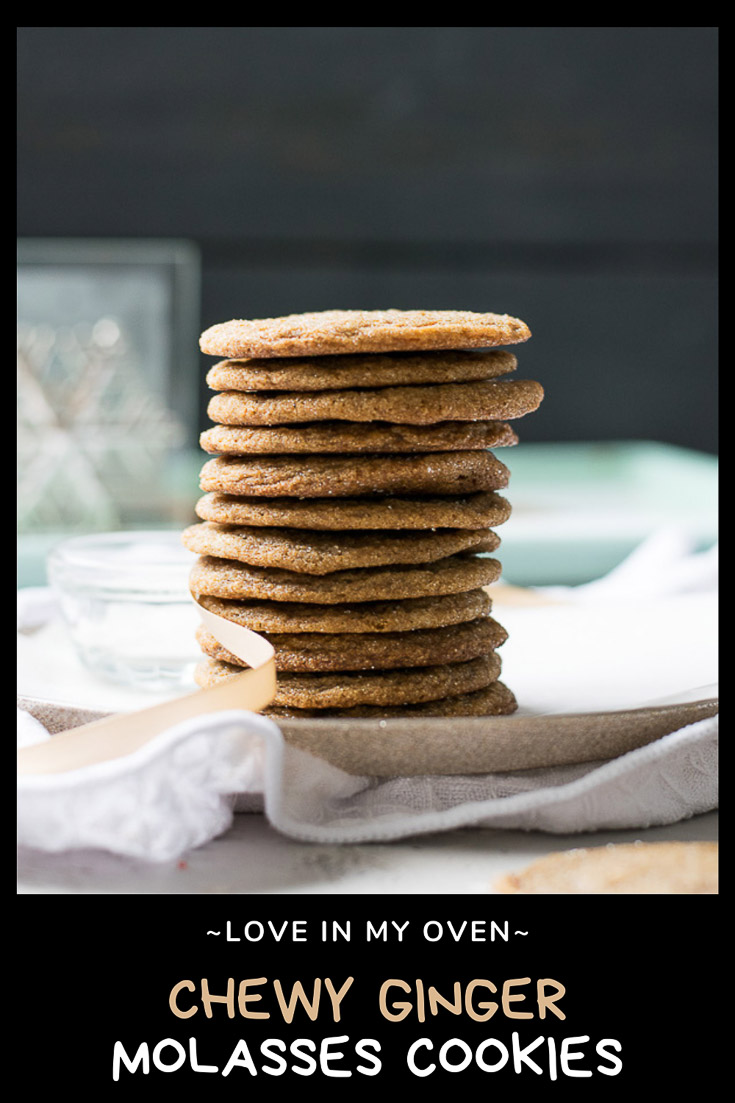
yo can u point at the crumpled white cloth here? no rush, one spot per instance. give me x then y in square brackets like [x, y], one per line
[180, 790]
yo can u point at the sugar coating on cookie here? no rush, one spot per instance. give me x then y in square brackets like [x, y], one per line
[646, 868]
[330, 332]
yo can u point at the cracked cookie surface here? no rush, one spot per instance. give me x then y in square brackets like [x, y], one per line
[328, 332]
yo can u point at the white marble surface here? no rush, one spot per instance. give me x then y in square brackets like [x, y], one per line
[253, 858]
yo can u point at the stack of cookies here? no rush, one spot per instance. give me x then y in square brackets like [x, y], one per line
[351, 505]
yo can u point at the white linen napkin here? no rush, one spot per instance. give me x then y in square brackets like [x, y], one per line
[181, 789]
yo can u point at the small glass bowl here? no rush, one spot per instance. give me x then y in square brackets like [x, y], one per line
[125, 599]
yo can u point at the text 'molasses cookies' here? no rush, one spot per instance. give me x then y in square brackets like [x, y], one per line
[348, 508]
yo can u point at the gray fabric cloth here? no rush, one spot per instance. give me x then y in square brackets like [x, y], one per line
[177, 791]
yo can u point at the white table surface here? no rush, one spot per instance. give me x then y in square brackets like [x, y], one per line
[253, 858]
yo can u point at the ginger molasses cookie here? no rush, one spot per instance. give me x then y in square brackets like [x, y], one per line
[328, 332]
[382, 687]
[349, 436]
[323, 373]
[494, 700]
[472, 511]
[227, 579]
[305, 652]
[320, 553]
[646, 868]
[286, 617]
[344, 476]
[486, 400]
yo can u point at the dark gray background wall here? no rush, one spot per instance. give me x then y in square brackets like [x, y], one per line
[566, 175]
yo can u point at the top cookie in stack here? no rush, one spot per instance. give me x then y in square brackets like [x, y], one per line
[352, 494]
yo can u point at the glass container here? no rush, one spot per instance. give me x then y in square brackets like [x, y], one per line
[125, 599]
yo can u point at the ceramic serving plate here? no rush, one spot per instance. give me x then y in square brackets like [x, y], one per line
[457, 745]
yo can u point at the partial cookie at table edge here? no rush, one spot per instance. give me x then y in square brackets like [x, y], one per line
[648, 868]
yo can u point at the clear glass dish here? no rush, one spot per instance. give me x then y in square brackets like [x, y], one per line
[125, 599]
